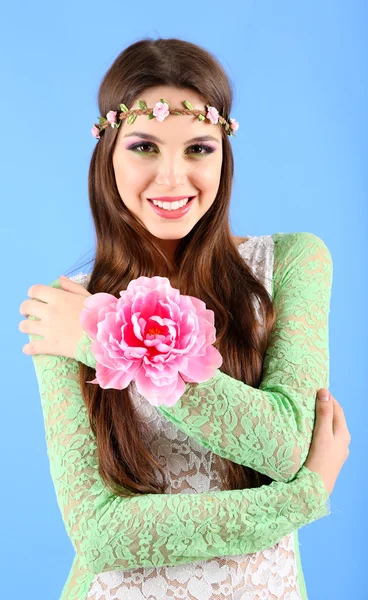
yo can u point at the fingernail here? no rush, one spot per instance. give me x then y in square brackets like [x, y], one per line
[324, 395]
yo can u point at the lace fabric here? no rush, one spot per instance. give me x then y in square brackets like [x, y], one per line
[268, 429]
[197, 541]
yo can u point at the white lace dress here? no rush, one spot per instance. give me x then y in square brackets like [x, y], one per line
[148, 546]
[272, 573]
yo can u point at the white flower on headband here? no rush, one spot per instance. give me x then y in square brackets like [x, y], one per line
[234, 125]
[95, 132]
[111, 117]
[161, 111]
[212, 115]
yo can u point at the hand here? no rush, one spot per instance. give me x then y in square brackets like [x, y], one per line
[329, 449]
[58, 318]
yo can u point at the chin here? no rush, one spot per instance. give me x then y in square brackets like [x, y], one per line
[179, 234]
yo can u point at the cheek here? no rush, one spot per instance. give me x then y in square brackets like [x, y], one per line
[129, 172]
[209, 179]
[131, 177]
[209, 170]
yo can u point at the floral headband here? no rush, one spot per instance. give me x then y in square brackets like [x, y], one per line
[161, 110]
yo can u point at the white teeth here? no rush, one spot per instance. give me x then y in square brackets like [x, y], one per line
[171, 205]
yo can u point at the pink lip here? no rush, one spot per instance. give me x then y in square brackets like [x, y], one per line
[172, 214]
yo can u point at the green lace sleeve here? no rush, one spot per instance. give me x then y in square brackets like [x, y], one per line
[268, 429]
[109, 532]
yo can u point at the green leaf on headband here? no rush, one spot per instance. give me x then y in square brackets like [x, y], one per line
[201, 117]
[176, 113]
[124, 108]
[164, 102]
[188, 105]
[151, 115]
[142, 104]
[102, 120]
[132, 118]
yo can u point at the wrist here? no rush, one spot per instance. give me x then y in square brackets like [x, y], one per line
[83, 351]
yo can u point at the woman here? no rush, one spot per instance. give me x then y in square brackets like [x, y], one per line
[202, 499]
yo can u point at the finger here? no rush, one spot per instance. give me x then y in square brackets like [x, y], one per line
[323, 393]
[31, 326]
[28, 349]
[73, 286]
[48, 294]
[339, 424]
[42, 347]
[324, 416]
[33, 348]
[35, 308]
[42, 292]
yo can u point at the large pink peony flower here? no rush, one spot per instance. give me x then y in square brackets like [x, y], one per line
[153, 335]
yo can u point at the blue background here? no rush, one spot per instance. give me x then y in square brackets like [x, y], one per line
[299, 70]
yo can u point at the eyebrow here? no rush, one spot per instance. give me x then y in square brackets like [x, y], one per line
[146, 136]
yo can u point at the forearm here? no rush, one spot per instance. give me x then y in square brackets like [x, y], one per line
[268, 428]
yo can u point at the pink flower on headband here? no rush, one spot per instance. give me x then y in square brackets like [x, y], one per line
[212, 115]
[153, 335]
[111, 117]
[161, 111]
[234, 125]
[95, 132]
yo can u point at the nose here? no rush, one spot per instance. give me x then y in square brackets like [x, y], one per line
[172, 172]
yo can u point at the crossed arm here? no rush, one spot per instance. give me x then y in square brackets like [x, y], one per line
[110, 532]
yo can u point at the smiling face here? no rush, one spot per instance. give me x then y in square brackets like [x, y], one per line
[168, 162]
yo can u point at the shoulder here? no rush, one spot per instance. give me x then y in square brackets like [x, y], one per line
[301, 242]
[301, 255]
[239, 240]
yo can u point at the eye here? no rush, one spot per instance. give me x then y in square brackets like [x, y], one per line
[207, 149]
[137, 148]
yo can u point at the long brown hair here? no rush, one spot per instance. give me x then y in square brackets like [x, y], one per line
[125, 250]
